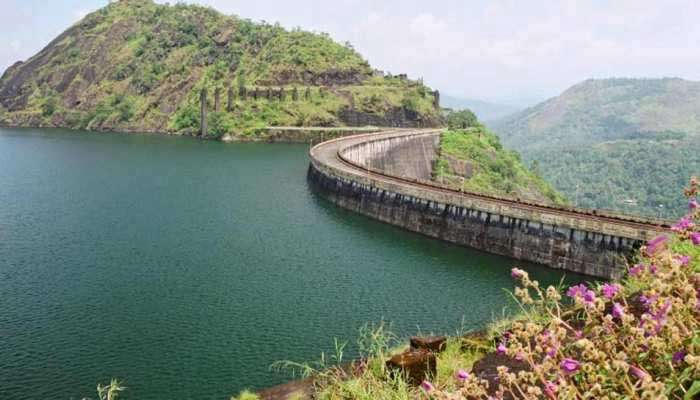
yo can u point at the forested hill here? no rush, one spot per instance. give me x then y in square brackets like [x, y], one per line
[474, 160]
[138, 65]
[625, 144]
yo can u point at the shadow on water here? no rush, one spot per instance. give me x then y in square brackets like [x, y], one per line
[462, 258]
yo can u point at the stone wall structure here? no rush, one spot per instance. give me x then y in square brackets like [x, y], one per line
[348, 172]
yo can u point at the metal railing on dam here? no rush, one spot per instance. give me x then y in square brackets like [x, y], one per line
[363, 173]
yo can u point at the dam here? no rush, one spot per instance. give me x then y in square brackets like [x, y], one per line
[386, 176]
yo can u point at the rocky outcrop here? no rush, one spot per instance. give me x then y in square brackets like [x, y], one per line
[395, 117]
[414, 364]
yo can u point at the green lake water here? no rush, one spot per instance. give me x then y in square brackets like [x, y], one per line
[186, 268]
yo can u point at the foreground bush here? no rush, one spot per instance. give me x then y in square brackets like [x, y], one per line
[636, 339]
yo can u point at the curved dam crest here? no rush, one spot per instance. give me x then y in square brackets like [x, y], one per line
[386, 176]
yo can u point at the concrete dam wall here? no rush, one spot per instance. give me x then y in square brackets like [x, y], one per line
[349, 172]
[405, 156]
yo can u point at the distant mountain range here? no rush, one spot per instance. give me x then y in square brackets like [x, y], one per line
[486, 111]
[625, 144]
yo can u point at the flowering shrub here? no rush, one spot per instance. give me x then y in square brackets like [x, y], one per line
[637, 339]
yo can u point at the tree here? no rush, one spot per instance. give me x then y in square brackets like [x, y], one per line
[462, 119]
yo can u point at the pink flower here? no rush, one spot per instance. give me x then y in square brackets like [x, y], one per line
[581, 292]
[683, 224]
[692, 204]
[653, 269]
[517, 273]
[639, 373]
[570, 366]
[550, 389]
[637, 270]
[427, 386]
[659, 318]
[695, 238]
[501, 348]
[647, 301]
[656, 244]
[610, 290]
[618, 310]
[683, 260]
[462, 375]
[576, 291]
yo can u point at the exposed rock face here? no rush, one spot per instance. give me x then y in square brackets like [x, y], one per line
[396, 117]
[463, 168]
[415, 364]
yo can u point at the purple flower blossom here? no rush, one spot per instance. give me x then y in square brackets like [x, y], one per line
[517, 273]
[570, 366]
[695, 238]
[462, 375]
[550, 389]
[683, 224]
[610, 290]
[581, 291]
[683, 260]
[639, 373]
[617, 310]
[501, 348]
[427, 386]
[637, 270]
[656, 244]
[653, 269]
[678, 356]
[693, 204]
[659, 318]
[647, 301]
[576, 291]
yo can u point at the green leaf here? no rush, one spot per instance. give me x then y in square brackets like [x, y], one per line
[694, 389]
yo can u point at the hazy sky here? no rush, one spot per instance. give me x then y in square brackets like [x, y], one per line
[494, 50]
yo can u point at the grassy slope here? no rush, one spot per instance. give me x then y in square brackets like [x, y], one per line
[137, 65]
[494, 170]
[625, 144]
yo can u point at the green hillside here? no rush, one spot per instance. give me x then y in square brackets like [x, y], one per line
[474, 159]
[623, 144]
[139, 66]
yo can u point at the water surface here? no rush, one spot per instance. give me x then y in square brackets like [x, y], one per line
[186, 267]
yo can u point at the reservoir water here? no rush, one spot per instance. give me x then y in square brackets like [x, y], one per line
[186, 268]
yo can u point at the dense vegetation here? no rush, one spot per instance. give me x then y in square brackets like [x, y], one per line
[624, 144]
[138, 65]
[473, 159]
[462, 119]
[638, 338]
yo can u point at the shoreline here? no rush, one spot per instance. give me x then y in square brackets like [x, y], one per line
[272, 134]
